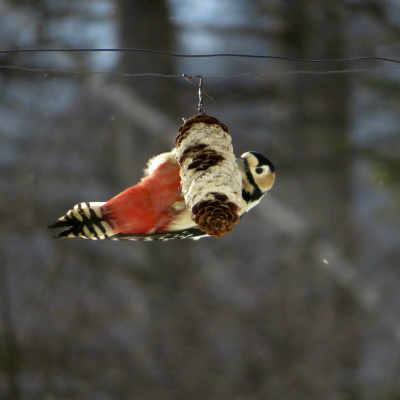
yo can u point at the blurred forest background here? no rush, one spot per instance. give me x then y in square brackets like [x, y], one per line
[300, 301]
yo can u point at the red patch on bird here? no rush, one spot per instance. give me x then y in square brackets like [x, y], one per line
[147, 206]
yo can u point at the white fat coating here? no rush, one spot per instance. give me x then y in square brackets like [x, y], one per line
[224, 178]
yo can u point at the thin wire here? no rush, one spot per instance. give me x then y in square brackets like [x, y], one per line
[227, 76]
[85, 71]
[201, 90]
[165, 53]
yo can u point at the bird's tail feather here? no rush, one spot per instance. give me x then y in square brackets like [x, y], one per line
[84, 220]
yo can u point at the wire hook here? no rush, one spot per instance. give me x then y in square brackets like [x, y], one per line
[201, 91]
[200, 106]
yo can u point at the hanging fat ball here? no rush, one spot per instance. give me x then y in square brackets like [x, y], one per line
[211, 180]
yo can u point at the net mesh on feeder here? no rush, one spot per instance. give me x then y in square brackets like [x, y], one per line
[210, 179]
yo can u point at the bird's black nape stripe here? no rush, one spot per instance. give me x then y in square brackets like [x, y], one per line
[262, 160]
[254, 196]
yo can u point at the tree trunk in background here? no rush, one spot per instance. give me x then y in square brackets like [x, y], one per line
[319, 116]
[145, 25]
[316, 126]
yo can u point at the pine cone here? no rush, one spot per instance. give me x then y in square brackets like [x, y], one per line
[183, 130]
[216, 217]
[205, 159]
[190, 150]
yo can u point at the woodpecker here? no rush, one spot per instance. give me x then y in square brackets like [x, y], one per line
[155, 209]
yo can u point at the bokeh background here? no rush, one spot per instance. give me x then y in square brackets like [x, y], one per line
[300, 301]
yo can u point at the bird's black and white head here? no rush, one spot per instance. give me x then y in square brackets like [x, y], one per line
[258, 177]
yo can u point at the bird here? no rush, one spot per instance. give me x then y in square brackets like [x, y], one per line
[154, 208]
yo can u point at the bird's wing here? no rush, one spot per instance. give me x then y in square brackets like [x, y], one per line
[192, 233]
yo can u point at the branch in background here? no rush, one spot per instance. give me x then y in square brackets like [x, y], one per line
[326, 254]
[150, 119]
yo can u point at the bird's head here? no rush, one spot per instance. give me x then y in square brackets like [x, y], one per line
[258, 175]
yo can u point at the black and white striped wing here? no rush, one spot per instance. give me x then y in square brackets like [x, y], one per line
[192, 233]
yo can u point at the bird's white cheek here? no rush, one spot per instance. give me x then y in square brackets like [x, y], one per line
[265, 183]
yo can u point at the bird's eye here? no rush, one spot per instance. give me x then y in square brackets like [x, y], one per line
[259, 170]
